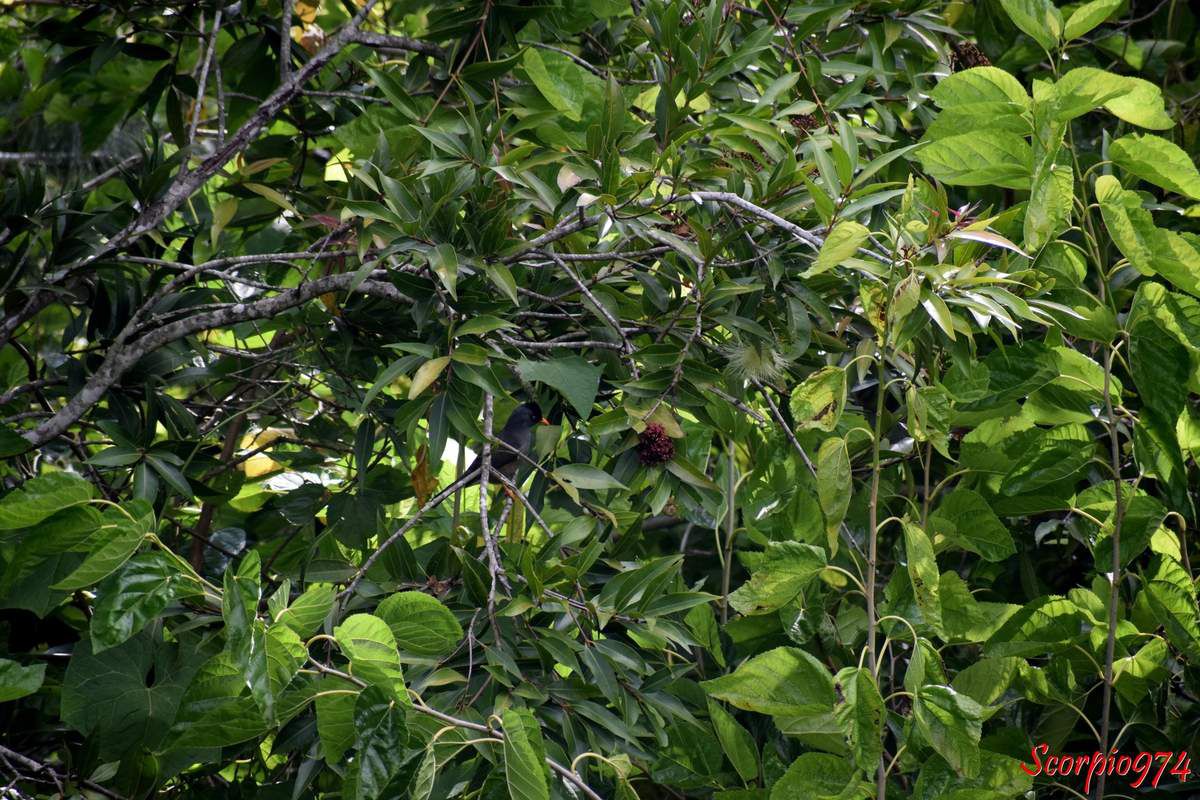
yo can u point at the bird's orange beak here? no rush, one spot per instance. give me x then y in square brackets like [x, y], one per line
[544, 421]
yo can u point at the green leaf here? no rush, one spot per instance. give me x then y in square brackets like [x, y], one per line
[819, 776]
[245, 635]
[306, 613]
[1051, 204]
[860, 713]
[128, 695]
[1085, 89]
[484, 323]
[1157, 160]
[778, 576]
[1172, 596]
[986, 158]
[987, 679]
[567, 86]
[1051, 456]
[335, 717]
[979, 85]
[967, 521]
[1142, 105]
[18, 680]
[40, 497]
[119, 538]
[952, 723]
[923, 573]
[1045, 625]
[524, 762]
[421, 624]
[368, 643]
[381, 733]
[818, 401]
[585, 476]
[576, 379]
[1040, 19]
[422, 784]
[833, 486]
[736, 741]
[1088, 16]
[784, 681]
[841, 243]
[135, 595]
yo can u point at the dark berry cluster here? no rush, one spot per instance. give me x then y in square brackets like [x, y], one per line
[804, 122]
[967, 55]
[655, 446]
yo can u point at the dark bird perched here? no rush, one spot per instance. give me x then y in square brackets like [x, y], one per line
[518, 434]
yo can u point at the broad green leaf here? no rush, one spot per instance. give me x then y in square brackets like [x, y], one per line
[524, 759]
[1157, 160]
[784, 681]
[576, 379]
[986, 680]
[840, 244]
[923, 573]
[1045, 625]
[133, 596]
[335, 717]
[777, 576]
[567, 86]
[421, 623]
[426, 374]
[818, 401]
[422, 784]
[1142, 105]
[245, 635]
[41, 497]
[952, 723]
[381, 733]
[118, 538]
[1040, 19]
[370, 646]
[860, 713]
[833, 486]
[128, 695]
[1172, 596]
[1150, 249]
[819, 776]
[305, 614]
[967, 521]
[1000, 778]
[1088, 16]
[585, 476]
[1052, 455]
[1135, 675]
[18, 680]
[988, 158]
[979, 85]
[1051, 204]
[1085, 89]
[1142, 515]
[736, 741]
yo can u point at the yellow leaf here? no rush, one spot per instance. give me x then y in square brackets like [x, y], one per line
[273, 195]
[426, 374]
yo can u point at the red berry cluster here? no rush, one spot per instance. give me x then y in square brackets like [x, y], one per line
[655, 446]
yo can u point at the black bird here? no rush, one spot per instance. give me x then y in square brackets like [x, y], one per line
[518, 434]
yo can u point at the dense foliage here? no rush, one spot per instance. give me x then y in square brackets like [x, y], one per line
[868, 332]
